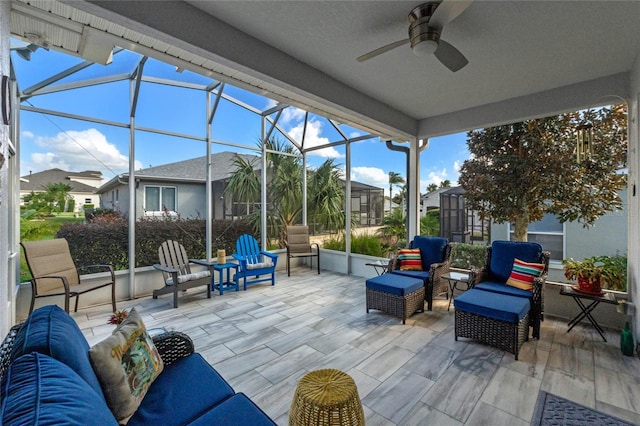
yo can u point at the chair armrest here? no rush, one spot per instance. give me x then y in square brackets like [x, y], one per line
[477, 275]
[317, 246]
[165, 268]
[99, 268]
[203, 262]
[65, 283]
[172, 346]
[270, 255]
[5, 349]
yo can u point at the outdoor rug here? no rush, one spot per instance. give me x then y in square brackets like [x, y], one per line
[551, 410]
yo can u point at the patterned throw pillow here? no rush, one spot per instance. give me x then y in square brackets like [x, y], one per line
[523, 274]
[410, 260]
[126, 364]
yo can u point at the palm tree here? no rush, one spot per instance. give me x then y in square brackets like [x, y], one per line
[445, 184]
[326, 196]
[394, 179]
[244, 184]
[432, 187]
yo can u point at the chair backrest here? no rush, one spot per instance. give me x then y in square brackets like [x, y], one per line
[503, 253]
[50, 258]
[248, 247]
[298, 239]
[432, 249]
[172, 254]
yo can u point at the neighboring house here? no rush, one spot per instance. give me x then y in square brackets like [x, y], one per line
[431, 200]
[179, 189]
[83, 185]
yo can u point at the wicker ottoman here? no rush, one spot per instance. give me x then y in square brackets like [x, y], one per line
[494, 319]
[326, 397]
[396, 295]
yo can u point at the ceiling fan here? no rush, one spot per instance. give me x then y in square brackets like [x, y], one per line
[426, 22]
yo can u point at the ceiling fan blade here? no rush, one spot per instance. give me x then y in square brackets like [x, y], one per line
[381, 50]
[450, 56]
[447, 11]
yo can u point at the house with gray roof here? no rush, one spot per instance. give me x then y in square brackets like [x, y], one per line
[179, 189]
[83, 185]
[176, 188]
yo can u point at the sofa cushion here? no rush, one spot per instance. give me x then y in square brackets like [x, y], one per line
[49, 330]
[523, 274]
[492, 305]
[185, 390]
[432, 249]
[503, 254]
[501, 288]
[40, 390]
[235, 411]
[423, 275]
[410, 259]
[126, 364]
[394, 284]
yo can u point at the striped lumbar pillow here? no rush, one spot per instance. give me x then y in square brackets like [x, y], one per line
[523, 274]
[410, 259]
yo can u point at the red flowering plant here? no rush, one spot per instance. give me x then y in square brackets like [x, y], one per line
[117, 317]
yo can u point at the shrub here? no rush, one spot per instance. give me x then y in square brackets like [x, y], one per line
[106, 242]
[361, 244]
[465, 256]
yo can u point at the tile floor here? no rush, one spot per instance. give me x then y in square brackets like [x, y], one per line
[265, 339]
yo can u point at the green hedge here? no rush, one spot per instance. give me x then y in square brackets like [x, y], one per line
[107, 242]
[465, 256]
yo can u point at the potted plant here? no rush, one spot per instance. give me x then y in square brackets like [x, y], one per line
[597, 272]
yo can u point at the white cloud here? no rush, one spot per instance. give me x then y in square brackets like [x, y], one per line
[78, 151]
[355, 134]
[436, 176]
[371, 176]
[456, 166]
[27, 134]
[312, 138]
[291, 116]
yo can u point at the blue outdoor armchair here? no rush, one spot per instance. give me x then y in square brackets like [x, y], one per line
[254, 262]
[435, 253]
[497, 269]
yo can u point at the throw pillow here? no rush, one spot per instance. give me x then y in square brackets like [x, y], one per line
[523, 274]
[126, 363]
[410, 259]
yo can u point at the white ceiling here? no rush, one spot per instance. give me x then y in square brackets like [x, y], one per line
[525, 57]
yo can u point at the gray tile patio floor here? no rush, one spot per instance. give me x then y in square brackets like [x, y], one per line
[265, 339]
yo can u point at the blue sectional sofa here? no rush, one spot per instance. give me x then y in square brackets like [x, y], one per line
[48, 379]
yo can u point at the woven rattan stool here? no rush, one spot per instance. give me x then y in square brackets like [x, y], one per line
[326, 397]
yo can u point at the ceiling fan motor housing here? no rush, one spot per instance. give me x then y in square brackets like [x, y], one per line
[424, 39]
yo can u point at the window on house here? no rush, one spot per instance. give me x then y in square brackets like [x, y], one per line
[160, 198]
[88, 201]
[549, 232]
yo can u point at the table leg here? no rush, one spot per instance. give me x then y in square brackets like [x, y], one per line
[221, 284]
[586, 313]
[452, 287]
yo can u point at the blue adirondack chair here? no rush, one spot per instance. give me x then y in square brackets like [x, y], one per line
[254, 262]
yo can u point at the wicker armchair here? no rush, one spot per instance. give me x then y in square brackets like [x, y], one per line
[498, 265]
[436, 261]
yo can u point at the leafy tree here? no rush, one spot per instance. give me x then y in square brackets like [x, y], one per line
[326, 196]
[430, 223]
[445, 183]
[52, 199]
[394, 179]
[519, 172]
[393, 229]
[432, 187]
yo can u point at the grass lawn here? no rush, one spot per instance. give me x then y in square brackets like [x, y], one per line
[43, 229]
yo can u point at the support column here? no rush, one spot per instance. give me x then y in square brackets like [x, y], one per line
[6, 287]
[413, 177]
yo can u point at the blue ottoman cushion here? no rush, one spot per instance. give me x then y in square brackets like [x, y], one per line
[40, 390]
[510, 309]
[51, 331]
[394, 284]
[503, 288]
[183, 391]
[235, 411]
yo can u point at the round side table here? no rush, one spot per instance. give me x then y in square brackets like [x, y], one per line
[326, 397]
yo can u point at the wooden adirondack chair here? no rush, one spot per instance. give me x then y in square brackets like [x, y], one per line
[254, 262]
[176, 271]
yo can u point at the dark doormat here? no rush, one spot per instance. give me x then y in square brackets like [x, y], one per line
[551, 410]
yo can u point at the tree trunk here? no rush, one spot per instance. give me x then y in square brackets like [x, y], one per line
[521, 227]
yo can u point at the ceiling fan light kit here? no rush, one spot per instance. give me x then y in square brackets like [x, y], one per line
[426, 22]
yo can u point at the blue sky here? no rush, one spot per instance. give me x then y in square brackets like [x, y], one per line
[75, 145]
